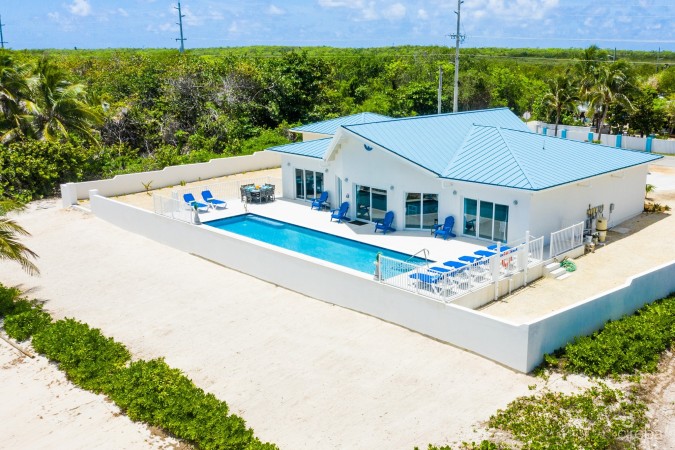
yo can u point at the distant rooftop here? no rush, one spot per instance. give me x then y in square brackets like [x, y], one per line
[329, 127]
[313, 149]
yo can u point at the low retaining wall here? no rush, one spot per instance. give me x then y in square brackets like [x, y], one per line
[169, 176]
[556, 330]
[520, 347]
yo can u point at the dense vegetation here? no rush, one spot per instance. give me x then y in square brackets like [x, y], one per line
[77, 115]
[148, 391]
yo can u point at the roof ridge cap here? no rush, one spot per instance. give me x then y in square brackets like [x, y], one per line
[515, 158]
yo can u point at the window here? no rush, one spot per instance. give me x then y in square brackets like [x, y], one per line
[371, 203]
[421, 210]
[308, 184]
[486, 220]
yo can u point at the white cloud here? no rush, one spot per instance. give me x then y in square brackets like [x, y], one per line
[510, 10]
[80, 7]
[422, 14]
[162, 28]
[369, 12]
[353, 4]
[274, 10]
[122, 12]
[394, 12]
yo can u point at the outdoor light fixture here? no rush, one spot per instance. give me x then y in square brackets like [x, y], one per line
[515, 202]
[391, 187]
[346, 180]
[288, 164]
[454, 192]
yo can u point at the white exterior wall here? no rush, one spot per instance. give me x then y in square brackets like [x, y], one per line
[291, 162]
[557, 208]
[313, 136]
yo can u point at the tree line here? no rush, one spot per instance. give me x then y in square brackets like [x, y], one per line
[103, 112]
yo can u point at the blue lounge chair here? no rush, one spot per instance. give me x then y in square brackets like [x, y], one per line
[214, 202]
[434, 282]
[445, 230]
[502, 248]
[339, 214]
[190, 200]
[385, 224]
[319, 201]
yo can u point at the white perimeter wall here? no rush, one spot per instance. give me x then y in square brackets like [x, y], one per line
[557, 208]
[552, 332]
[169, 176]
[498, 340]
[520, 347]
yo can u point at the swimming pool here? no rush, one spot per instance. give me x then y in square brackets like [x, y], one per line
[338, 250]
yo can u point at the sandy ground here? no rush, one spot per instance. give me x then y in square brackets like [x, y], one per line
[40, 409]
[302, 373]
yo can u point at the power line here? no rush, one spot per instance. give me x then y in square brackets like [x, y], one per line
[180, 25]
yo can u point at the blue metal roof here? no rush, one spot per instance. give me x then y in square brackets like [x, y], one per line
[313, 149]
[432, 141]
[525, 160]
[330, 126]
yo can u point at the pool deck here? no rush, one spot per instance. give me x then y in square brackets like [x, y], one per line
[635, 246]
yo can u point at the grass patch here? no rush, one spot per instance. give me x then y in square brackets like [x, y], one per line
[598, 418]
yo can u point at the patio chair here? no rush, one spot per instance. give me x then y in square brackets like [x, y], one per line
[214, 202]
[436, 283]
[256, 196]
[192, 202]
[339, 214]
[268, 193]
[385, 224]
[319, 201]
[445, 230]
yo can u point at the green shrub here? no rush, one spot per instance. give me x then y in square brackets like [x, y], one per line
[12, 303]
[632, 344]
[599, 418]
[152, 392]
[87, 357]
[24, 325]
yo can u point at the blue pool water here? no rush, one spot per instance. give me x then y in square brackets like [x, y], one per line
[335, 249]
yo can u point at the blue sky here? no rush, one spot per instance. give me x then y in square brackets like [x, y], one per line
[624, 24]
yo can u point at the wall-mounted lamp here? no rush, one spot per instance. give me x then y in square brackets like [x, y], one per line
[326, 170]
[288, 164]
[515, 202]
[391, 188]
[347, 196]
[346, 180]
[454, 192]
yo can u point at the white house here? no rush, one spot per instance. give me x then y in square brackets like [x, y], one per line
[485, 168]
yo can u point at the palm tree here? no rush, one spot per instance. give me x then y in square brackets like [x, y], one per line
[62, 106]
[10, 247]
[563, 95]
[16, 109]
[610, 84]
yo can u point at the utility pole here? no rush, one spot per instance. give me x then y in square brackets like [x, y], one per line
[440, 87]
[658, 54]
[180, 24]
[2, 40]
[458, 37]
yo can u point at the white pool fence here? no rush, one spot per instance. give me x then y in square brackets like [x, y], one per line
[443, 283]
[566, 239]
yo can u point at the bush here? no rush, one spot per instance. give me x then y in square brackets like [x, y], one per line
[86, 356]
[599, 418]
[152, 392]
[24, 325]
[11, 301]
[634, 343]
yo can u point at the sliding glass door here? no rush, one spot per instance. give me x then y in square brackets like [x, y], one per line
[308, 184]
[486, 220]
[421, 210]
[371, 203]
